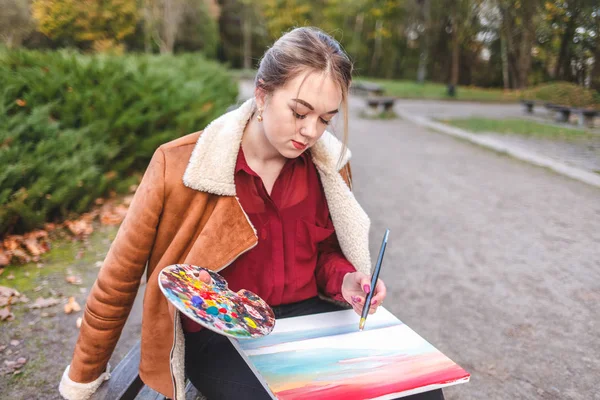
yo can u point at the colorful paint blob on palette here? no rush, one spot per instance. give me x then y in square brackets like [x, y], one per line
[213, 305]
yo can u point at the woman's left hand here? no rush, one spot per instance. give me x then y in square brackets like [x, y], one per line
[355, 288]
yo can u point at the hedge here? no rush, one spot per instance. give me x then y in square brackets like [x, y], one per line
[74, 127]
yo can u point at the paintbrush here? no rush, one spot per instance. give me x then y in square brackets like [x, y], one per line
[367, 305]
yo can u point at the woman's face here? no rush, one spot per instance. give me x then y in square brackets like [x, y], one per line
[296, 115]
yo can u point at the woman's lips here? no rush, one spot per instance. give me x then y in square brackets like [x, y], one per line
[298, 145]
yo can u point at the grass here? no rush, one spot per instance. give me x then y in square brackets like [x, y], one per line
[519, 127]
[437, 91]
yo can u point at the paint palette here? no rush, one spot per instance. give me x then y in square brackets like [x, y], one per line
[241, 315]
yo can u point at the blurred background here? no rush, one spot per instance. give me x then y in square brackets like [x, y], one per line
[497, 260]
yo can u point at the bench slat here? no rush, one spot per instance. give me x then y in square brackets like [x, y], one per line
[125, 382]
[149, 394]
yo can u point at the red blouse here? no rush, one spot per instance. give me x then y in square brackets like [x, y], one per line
[297, 253]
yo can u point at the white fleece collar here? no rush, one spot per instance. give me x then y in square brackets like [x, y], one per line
[211, 169]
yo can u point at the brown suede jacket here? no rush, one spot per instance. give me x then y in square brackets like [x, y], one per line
[185, 211]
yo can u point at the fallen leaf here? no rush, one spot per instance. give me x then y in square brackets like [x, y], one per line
[83, 290]
[3, 347]
[34, 248]
[12, 242]
[14, 342]
[98, 264]
[4, 258]
[21, 360]
[40, 302]
[72, 306]
[17, 372]
[5, 314]
[21, 102]
[81, 227]
[10, 277]
[7, 292]
[21, 255]
[74, 280]
[1, 269]
[78, 322]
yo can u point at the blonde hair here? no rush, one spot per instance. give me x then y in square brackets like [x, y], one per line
[301, 49]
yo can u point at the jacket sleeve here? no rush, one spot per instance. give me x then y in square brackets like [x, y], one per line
[112, 295]
[331, 268]
[332, 265]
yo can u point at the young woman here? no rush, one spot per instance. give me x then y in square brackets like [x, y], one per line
[262, 196]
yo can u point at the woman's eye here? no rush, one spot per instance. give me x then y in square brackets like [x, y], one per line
[324, 121]
[299, 116]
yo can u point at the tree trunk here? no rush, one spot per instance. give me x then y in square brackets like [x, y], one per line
[562, 64]
[377, 51]
[247, 37]
[455, 50]
[424, 53]
[527, 38]
[595, 73]
[504, 55]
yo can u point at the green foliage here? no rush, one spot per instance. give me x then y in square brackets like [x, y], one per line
[74, 127]
[102, 24]
[563, 93]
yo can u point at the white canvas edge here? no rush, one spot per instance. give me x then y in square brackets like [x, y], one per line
[421, 389]
[258, 375]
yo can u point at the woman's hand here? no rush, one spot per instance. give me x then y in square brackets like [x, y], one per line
[203, 276]
[355, 288]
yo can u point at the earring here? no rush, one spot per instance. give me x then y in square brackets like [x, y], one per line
[259, 117]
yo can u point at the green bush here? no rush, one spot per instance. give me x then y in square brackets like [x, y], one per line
[74, 127]
[563, 93]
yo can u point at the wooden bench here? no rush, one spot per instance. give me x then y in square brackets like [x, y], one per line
[563, 113]
[367, 88]
[125, 382]
[376, 103]
[586, 116]
[529, 104]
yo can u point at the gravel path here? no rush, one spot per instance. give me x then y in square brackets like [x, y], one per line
[582, 153]
[494, 261]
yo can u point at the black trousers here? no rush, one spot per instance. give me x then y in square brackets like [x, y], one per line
[217, 370]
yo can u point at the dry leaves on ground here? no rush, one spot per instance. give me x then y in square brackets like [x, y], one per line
[13, 367]
[41, 302]
[8, 297]
[72, 306]
[21, 249]
[73, 280]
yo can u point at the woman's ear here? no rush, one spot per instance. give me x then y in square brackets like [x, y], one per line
[261, 97]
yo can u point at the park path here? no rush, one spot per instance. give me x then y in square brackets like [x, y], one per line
[495, 261]
[583, 153]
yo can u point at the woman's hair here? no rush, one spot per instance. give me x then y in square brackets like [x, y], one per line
[302, 49]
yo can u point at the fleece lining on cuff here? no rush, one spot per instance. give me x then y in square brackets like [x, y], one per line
[71, 390]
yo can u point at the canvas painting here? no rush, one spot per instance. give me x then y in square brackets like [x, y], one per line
[324, 356]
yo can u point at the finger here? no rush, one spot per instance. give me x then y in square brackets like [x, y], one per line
[380, 292]
[203, 276]
[358, 301]
[365, 283]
